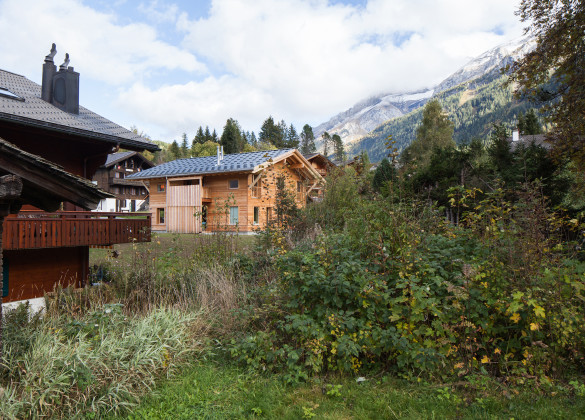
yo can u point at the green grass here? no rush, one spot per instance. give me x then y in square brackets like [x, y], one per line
[210, 390]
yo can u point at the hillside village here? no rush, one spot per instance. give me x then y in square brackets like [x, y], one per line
[418, 255]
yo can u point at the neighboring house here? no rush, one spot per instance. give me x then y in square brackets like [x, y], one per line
[231, 192]
[41, 249]
[111, 177]
[528, 140]
[323, 166]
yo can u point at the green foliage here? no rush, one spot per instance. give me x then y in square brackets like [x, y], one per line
[435, 132]
[231, 138]
[307, 144]
[384, 174]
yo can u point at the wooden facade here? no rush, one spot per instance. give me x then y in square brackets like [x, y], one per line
[43, 250]
[129, 196]
[236, 201]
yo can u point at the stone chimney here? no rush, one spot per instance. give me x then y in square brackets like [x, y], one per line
[60, 88]
[515, 135]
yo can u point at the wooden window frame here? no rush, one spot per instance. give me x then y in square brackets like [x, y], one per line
[256, 213]
[161, 187]
[230, 184]
[160, 211]
[237, 211]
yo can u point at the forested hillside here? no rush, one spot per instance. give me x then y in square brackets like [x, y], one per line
[472, 106]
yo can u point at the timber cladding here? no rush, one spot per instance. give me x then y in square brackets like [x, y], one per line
[226, 198]
[52, 266]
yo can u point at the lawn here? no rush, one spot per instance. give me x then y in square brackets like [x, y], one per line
[211, 390]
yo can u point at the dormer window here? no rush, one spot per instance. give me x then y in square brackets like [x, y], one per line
[8, 94]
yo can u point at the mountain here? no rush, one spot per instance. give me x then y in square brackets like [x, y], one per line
[473, 97]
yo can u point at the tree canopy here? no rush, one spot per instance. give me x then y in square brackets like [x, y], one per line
[307, 140]
[435, 132]
[559, 28]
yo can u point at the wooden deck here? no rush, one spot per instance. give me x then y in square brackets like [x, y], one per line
[34, 230]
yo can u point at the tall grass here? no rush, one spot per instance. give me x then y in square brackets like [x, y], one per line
[98, 350]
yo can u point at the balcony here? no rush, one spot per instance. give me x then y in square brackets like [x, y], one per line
[31, 229]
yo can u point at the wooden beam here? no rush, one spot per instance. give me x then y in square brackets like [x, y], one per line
[312, 187]
[258, 176]
[297, 166]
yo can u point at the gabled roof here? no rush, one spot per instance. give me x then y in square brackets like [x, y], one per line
[319, 157]
[237, 162]
[45, 184]
[21, 103]
[114, 158]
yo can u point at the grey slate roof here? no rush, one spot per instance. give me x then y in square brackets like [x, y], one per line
[31, 110]
[237, 162]
[528, 139]
[116, 157]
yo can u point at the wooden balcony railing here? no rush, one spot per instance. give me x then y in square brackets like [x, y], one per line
[30, 229]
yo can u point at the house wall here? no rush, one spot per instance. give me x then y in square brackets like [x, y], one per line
[52, 266]
[218, 197]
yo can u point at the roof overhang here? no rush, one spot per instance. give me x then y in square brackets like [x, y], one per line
[130, 144]
[45, 184]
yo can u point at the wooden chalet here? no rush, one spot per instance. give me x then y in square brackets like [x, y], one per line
[42, 249]
[129, 195]
[231, 192]
[323, 166]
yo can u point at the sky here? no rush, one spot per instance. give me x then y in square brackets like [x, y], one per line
[168, 67]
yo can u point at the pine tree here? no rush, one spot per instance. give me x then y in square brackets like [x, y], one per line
[307, 140]
[214, 137]
[207, 134]
[531, 124]
[292, 137]
[384, 173]
[174, 151]
[199, 136]
[184, 146]
[326, 143]
[338, 149]
[231, 137]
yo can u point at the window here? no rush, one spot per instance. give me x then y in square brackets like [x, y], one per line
[160, 216]
[160, 187]
[234, 185]
[299, 186]
[7, 94]
[268, 214]
[233, 215]
[256, 215]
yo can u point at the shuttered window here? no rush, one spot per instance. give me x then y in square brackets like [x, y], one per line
[233, 215]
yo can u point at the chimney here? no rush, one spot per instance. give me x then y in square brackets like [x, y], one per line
[219, 154]
[49, 70]
[60, 88]
[515, 135]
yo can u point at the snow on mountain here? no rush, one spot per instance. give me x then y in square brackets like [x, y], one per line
[495, 58]
[366, 115]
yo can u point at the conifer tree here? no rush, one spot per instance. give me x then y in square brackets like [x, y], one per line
[435, 132]
[207, 134]
[307, 140]
[338, 149]
[174, 150]
[326, 143]
[231, 137]
[292, 137]
[184, 146]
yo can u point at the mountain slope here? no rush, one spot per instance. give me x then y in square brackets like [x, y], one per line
[472, 87]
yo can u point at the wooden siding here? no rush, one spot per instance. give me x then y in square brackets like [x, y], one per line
[217, 198]
[183, 208]
[34, 272]
[30, 230]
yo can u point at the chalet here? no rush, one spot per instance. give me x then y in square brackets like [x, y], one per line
[526, 140]
[323, 166]
[42, 249]
[231, 192]
[128, 195]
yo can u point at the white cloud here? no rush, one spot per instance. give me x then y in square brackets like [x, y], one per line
[298, 60]
[107, 51]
